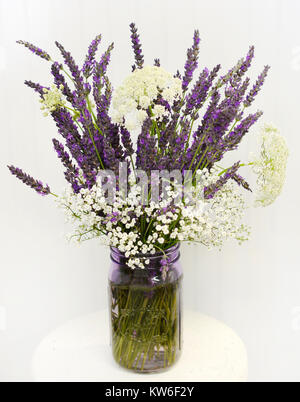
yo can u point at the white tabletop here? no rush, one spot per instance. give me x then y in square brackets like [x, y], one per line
[80, 351]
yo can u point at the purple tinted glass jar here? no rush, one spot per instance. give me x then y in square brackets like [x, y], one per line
[145, 307]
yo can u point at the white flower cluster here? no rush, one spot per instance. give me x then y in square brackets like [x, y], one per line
[136, 96]
[270, 166]
[52, 99]
[137, 229]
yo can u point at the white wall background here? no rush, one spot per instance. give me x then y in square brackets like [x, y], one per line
[43, 280]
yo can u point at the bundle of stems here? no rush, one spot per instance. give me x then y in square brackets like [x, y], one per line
[145, 325]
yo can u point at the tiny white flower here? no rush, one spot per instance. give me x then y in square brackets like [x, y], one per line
[144, 102]
[52, 99]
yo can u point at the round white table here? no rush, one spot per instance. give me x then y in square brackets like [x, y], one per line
[80, 351]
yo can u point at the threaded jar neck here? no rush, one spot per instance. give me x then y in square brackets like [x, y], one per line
[172, 254]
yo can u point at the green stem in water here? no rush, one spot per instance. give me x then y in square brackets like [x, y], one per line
[145, 325]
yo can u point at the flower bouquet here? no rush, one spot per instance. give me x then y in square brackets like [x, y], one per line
[144, 172]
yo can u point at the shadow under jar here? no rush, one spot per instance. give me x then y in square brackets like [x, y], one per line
[145, 308]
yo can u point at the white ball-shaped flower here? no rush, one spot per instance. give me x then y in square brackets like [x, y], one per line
[139, 92]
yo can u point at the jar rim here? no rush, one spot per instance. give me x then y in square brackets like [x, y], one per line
[159, 254]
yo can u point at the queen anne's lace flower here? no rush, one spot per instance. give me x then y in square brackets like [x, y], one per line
[270, 166]
[52, 99]
[159, 112]
[139, 92]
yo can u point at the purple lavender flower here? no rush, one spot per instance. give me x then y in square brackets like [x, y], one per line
[66, 125]
[163, 102]
[37, 87]
[137, 47]
[110, 132]
[176, 146]
[37, 185]
[110, 159]
[235, 74]
[72, 172]
[146, 148]
[168, 131]
[157, 62]
[127, 142]
[80, 148]
[192, 61]
[232, 139]
[216, 122]
[74, 69]
[198, 93]
[64, 157]
[59, 80]
[101, 67]
[36, 50]
[241, 181]
[100, 79]
[257, 87]
[90, 57]
[201, 140]
[211, 190]
[243, 68]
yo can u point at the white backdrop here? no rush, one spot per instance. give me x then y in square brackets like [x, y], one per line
[44, 281]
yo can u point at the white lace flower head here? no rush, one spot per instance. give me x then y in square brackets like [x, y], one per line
[270, 166]
[137, 95]
[52, 99]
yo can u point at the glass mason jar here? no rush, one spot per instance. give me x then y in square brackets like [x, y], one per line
[145, 311]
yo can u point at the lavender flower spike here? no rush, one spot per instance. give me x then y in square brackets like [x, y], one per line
[72, 172]
[137, 48]
[242, 68]
[241, 181]
[90, 58]
[37, 87]
[36, 50]
[30, 181]
[59, 80]
[256, 87]
[64, 157]
[75, 71]
[211, 190]
[192, 61]
[101, 67]
[127, 142]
